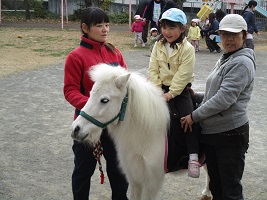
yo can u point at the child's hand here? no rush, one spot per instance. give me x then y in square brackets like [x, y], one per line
[167, 96]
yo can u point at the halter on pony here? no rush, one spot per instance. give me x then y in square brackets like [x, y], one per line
[98, 150]
[120, 115]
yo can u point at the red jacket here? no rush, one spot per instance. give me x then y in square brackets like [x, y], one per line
[138, 26]
[77, 83]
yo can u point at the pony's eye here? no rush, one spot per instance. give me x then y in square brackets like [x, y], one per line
[105, 100]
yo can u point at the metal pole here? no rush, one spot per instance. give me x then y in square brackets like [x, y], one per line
[130, 14]
[62, 15]
[232, 8]
[0, 12]
[15, 6]
[67, 13]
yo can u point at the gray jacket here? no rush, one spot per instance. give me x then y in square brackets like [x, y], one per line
[228, 91]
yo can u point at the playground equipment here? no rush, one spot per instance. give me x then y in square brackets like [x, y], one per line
[207, 8]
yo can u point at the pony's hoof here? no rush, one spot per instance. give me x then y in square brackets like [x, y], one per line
[205, 197]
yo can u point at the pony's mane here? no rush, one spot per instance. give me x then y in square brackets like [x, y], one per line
[145, 99]
[102, 72]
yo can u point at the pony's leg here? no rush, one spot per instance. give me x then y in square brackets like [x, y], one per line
[135, 191]
[206, 194]
[151, 189]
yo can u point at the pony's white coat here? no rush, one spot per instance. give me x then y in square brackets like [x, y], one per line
[140, 138]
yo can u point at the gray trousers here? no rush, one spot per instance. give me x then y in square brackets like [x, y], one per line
[138, 36]
[249, 43]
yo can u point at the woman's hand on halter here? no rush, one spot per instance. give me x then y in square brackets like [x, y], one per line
[186, 122]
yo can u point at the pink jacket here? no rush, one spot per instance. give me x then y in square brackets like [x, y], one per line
[138, 26]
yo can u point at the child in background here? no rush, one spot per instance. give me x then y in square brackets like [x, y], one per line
[171, 67]
[137, 28]
[194, 34]
[153, 37]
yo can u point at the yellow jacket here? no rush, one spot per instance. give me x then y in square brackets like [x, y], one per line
[194, 33]
[175, 71]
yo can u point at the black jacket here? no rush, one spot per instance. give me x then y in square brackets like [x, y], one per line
[150, 8]
[142, 7]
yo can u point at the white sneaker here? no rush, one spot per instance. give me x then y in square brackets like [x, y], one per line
[135, 45]
[193, 169]
[143, 45]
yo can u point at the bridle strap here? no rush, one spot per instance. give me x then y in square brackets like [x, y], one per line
[96, 122]
[120, 115]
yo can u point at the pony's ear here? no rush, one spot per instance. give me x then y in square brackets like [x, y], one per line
[121, 80]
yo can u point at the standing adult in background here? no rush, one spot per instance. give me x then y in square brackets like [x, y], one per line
[141, 10]
[93, 50]
[169, 4]
[223, 111]
[249, 16]
[154, 9]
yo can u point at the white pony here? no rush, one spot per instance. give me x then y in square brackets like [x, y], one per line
[137, 118]
[139, 137]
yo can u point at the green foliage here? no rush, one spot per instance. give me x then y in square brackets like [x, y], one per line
[76, 16]
[39, 9]
[104, 4]
[119, 18]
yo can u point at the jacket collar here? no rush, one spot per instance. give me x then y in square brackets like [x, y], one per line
[90, 44]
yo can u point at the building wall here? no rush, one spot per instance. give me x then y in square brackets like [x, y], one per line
[54, 6]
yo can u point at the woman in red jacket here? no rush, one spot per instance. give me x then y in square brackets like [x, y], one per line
[93, 50]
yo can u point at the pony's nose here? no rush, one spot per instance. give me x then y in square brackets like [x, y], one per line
[76, 130]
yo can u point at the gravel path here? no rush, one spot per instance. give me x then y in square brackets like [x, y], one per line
[36, 159]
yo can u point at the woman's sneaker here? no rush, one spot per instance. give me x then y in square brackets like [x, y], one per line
[193, 169]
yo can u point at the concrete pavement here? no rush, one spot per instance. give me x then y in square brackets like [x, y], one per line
[36, 159]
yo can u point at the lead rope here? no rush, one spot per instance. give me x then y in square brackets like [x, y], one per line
[98, 152]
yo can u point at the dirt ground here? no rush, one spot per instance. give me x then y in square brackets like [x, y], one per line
[29, 46]
[26, 46]
[36, 159]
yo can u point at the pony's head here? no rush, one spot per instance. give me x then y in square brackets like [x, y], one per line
[105, 105]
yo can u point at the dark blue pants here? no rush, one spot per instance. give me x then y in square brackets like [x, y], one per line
[85, 164]
[212, 45]
[225, 168]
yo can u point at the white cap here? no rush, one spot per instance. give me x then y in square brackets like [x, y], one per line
[153, 29]
[137, 17]
[196, 20]
[233, 23]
